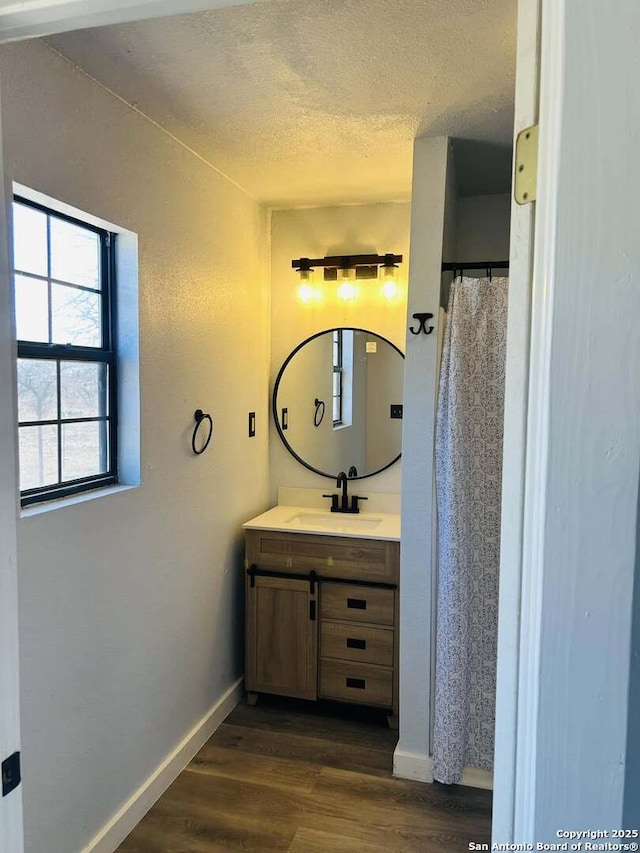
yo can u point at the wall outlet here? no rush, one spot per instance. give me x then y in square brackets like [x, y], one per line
[11, 775]
[396, 410]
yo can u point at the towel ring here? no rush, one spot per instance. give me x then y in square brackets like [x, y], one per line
[318, 415]
[199, 417]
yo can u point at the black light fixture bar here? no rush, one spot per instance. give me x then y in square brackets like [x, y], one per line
[342, 261]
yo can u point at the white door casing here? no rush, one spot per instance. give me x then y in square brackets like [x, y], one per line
[583, 432]
[515, 428]
[11, 837]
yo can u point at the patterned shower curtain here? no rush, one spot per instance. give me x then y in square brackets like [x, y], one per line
[469, 432]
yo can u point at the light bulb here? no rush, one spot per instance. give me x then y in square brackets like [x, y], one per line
[389, 289]
[388, 281]
[346, 283]
[306, 293]
[347, 290]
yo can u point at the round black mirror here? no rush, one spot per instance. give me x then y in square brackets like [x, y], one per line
[337, 403]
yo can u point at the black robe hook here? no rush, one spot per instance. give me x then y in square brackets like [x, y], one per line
[422, 320]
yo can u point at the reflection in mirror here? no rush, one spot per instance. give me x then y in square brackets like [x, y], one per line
[337, 402]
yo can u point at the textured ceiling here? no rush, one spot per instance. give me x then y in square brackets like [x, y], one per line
[316, 101]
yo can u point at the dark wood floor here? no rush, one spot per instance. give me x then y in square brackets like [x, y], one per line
[296, 777]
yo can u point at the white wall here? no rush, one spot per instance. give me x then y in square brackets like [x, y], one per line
[130, 624]
[314, 233]
[430, 172]
[444, 227]
[384, 374]
[482, 226]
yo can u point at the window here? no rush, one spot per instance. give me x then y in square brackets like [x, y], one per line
[337, 376]
[64, 297]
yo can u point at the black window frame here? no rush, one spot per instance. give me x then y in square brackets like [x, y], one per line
[58, 353]
[338, 368]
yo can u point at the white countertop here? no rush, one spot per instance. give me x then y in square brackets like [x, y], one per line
[304, 519]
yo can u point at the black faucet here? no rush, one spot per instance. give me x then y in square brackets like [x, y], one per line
[343, 504]
[342, 481]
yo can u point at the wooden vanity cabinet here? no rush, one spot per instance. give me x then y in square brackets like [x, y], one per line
[322, 618]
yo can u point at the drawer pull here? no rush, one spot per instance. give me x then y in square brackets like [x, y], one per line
[358, 683]
[352, 643]
[357, 603]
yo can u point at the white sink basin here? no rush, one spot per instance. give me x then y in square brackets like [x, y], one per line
[334, 521]
[323, 522]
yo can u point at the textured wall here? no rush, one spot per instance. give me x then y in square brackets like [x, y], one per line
[314, 233]
[129, 604]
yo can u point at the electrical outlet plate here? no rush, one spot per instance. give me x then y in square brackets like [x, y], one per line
[396, 411]
[11, 775]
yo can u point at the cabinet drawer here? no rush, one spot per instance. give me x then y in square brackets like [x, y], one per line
[357, 603]
[356, 642]
[356, 682]
[330, 556]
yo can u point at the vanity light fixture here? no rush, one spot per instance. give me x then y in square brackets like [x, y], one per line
[346, 270]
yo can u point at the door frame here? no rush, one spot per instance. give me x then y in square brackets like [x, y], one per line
[11, 822]
[566, 641]
[517, 380]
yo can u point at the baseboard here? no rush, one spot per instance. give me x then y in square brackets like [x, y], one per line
[411, 765]
[131, 813]
[474, 777]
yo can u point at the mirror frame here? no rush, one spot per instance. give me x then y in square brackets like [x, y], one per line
[274, 408]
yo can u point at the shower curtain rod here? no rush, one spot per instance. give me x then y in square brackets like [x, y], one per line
[475, 265]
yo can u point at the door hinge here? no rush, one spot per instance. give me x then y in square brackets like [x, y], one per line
[11, 777]
[526, 166]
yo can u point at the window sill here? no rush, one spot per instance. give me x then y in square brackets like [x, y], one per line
[61, 503]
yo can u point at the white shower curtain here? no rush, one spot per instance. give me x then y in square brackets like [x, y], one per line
[469, 432]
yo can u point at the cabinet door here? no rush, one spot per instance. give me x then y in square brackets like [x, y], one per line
[282, 638]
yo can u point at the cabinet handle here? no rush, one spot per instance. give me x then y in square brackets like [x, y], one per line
[312, 610]
[357, 603]
[352, 643]
[358, 683]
